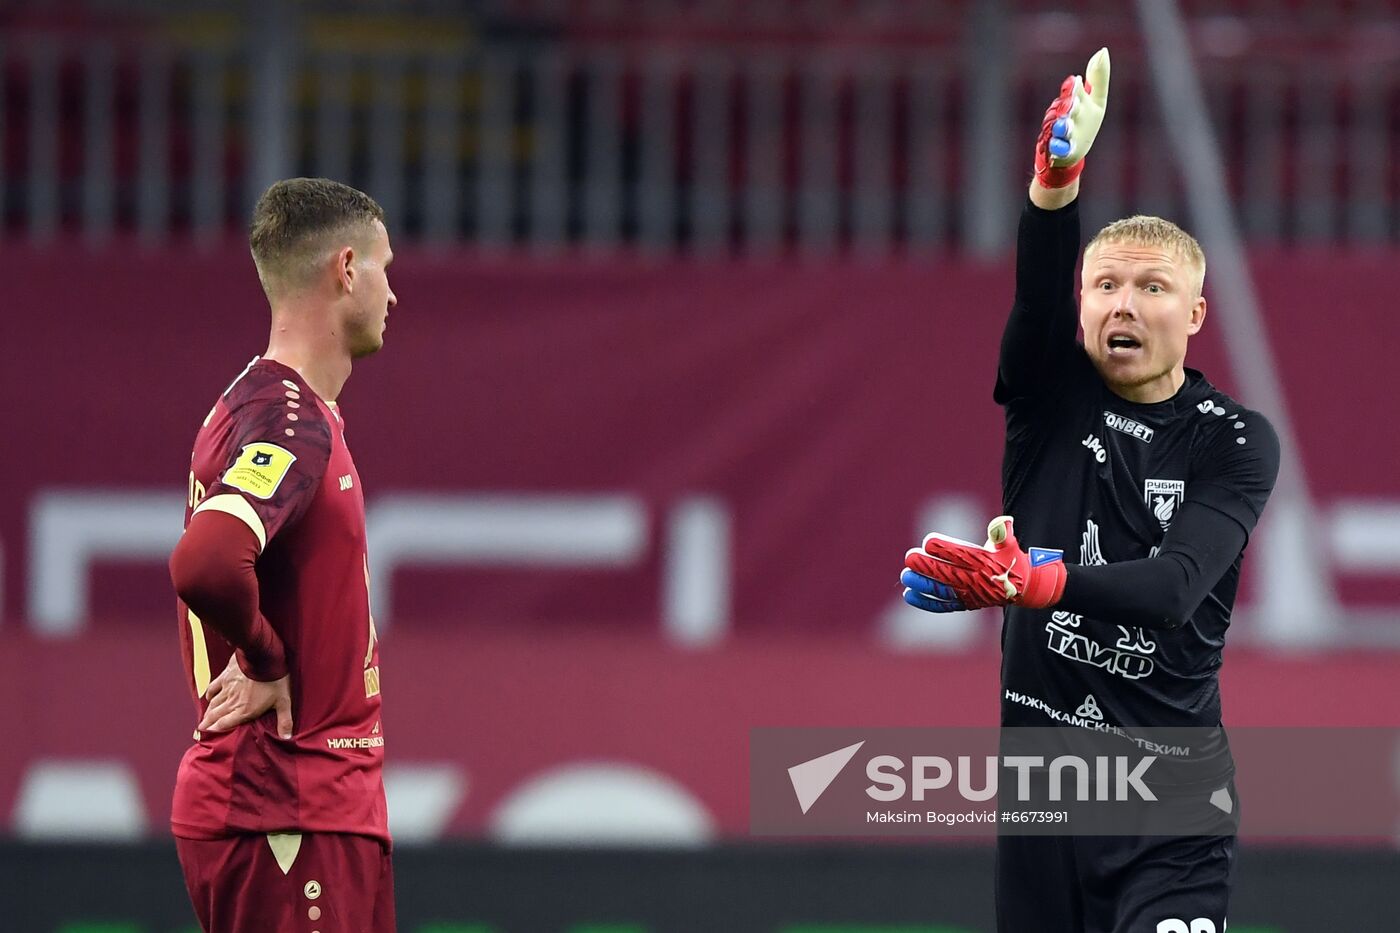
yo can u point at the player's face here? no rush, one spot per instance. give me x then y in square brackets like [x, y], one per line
[1138, 306]
[369, 312]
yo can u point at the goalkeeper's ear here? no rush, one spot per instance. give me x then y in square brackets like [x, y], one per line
[1198, 316]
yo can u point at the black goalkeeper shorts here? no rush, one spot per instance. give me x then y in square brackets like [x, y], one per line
[1113, 884]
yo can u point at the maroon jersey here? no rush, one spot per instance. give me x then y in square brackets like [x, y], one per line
[273, 454]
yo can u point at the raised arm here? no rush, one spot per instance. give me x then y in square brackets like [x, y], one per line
[1040, 330]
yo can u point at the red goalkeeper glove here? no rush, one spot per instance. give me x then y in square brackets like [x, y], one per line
[1072, 123]
[949, 574]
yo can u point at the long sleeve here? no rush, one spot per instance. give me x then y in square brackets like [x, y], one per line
[267, 478]
[212, 570]
[1160, 592]
[1040, 331]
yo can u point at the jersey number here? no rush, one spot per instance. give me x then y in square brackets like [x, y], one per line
[197, 491]
[1199, 925]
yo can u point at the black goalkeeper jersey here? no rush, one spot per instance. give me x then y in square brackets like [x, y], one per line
[1105, 480]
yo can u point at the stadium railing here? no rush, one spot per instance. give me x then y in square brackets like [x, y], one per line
[820, 128]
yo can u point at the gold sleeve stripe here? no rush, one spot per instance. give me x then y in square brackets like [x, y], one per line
[201, 656]
[237, 506]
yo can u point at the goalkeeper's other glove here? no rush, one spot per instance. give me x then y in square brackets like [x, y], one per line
[1071, 124]
[949, 574]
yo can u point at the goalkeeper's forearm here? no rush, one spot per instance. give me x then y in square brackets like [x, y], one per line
[1040, 329]
[1159, 592]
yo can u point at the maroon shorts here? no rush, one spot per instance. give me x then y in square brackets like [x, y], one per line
[289, 883]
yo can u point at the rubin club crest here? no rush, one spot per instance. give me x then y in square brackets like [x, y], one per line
[1163, 497]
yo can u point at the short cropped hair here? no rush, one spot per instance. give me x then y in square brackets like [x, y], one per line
[1144, 230]
[297, 220]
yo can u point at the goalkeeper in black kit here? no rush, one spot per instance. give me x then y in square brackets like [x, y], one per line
[1117, 455]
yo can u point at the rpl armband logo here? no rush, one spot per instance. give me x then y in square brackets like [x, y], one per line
[259, 469]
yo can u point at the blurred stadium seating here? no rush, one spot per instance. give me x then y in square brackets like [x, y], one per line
[741, 127]
[641, 450]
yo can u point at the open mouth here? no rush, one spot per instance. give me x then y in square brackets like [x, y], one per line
[1122, 343]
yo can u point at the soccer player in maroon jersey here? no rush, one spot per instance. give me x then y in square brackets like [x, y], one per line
[279, 812]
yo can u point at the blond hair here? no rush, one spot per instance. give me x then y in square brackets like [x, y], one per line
[297, 219]
[1145, 230]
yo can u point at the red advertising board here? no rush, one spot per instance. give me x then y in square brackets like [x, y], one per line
[795, 423]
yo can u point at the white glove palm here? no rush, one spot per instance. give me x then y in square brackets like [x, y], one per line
[1071, 124]
[1073, 134]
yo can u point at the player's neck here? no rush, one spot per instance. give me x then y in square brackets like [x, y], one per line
[1157, 390]
[316, 353]
[326, 375]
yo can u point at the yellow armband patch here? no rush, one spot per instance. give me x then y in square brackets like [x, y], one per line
[260, 469]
